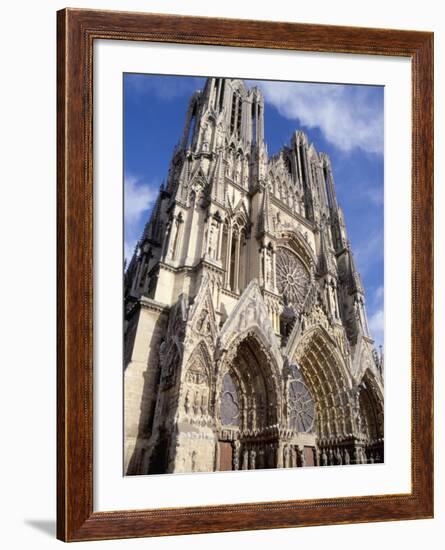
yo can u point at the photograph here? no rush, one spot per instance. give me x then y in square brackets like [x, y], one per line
[253, 274]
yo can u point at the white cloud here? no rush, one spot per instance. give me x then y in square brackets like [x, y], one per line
[376, 321]
[129, 249]
[378, 295]
[376, 325]
[348, 116]
[139, 197]
[369, 252]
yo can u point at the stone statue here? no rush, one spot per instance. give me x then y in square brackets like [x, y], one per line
[252, 461]
[207, 137]
[324, 458]
[245, 465]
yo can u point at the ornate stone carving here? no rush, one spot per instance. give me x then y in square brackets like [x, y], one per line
[196, 373]
[250, 313]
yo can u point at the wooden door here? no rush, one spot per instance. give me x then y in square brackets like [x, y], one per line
[309, 456]
[225, 456]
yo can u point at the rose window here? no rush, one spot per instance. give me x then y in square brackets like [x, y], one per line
[292, 278]
[302, 410]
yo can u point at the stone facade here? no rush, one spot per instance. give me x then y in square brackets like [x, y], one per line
[246, 336]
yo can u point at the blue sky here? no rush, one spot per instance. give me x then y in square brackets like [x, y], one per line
[345, 121]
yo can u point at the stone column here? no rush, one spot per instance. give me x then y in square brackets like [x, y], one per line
[328, 295]
[220, 240]
[237, 262]
[206, 239]
[279, 451]
[217, 464]
[236, 455]
[263, 265]
[229, 258]
[274, 269]
[213, 92]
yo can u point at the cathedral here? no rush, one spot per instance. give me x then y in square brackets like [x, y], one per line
[246, 342]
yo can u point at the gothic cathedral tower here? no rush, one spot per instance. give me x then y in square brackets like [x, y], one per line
[246, 336]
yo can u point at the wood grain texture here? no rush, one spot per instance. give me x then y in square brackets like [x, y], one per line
[76, 32]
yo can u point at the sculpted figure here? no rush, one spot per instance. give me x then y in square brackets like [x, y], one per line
[356, 457]
[245, 465]
[187, 402]
[208, 136]
[238, 170]
[324, 458]
[339, 458]
[286, 456]
[252, 464]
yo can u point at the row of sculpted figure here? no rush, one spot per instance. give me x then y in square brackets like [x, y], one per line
[343, 456]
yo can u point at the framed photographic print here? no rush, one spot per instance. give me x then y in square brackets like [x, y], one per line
[244, 275]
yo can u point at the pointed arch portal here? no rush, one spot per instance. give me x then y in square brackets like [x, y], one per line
[248, 404]
[348, 419]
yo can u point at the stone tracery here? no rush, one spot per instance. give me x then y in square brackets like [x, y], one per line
[301, 404]
[292, 278]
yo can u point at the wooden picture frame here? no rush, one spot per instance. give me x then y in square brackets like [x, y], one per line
[76, 32]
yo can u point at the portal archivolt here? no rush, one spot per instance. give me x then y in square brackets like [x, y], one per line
[349, 420]
[328, 383]
[249, 405]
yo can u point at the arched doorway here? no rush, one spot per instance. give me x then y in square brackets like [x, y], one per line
[370, 419]
[330, 386]
[249, 403]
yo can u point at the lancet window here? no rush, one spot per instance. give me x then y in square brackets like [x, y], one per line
[234, 260]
